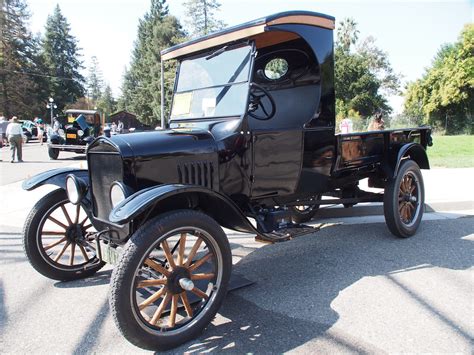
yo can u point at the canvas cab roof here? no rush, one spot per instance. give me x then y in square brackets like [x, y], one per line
[257, 30]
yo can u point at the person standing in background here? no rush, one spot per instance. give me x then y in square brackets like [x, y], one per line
[14, 134]
[40, 128]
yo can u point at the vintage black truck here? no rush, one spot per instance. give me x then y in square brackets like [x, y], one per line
[81, 128]
[250, 146]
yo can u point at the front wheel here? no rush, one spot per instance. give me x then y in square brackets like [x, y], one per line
[58, 239]
[171, 279]
[404, 199]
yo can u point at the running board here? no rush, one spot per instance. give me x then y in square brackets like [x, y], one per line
[284, 234]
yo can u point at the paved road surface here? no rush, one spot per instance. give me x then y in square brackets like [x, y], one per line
[348, 288]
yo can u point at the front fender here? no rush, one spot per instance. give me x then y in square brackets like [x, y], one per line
[216, 205]
[54, 177]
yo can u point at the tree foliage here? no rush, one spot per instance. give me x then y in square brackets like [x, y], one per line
[201, 17]
[363, 74]
[62, 59]
[141, 91]
[95, 80]
[444, 95]
[106, 103]
[21, 83]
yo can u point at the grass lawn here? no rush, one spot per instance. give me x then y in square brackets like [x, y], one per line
[452, 152]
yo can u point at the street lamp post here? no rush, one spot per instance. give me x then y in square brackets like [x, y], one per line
[51, 105]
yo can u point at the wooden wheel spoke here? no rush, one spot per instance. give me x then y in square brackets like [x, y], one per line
[157, 295]
[199, 293]
[169, 256]
[200, 262]
[54, 244]
[160, 309]
[61, 252]
[202, 276]
[412, 188]
[66, 214]
[148, 283]
[52, 219]
[157, 267]
[52, 233]
[73, 251]
[84, 220]
[174, 310]
[84, 252]
[87, 226]
[182, 247]
[193, 252]
[187, 306]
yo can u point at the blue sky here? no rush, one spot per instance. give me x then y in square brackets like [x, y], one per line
[410, 32]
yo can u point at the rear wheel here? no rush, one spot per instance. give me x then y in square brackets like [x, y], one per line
[53, 153]
[171, 279]
[404, 199]
[58, 239]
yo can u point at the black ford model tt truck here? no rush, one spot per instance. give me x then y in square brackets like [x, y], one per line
[250, 146]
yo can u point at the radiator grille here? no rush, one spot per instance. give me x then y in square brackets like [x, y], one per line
[197, 173]
[104, 169]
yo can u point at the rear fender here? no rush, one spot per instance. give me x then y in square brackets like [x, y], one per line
[413, 151]
[178, 196]
[54, 177]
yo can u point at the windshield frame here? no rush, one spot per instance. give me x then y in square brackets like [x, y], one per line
[206, 53]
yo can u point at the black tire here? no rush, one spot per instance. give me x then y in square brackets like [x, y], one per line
[127, 284]
[404, 199]
[53, 153]
[303, 214]
[35, 236]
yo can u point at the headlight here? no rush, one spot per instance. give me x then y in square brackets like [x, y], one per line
[80, 133]
[118, 193]
[76, 188]
[61, 133]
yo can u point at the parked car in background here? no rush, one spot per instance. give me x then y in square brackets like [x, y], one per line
[30, 131]
[80, 129]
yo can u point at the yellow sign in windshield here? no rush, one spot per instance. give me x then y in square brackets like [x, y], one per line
[182, 103]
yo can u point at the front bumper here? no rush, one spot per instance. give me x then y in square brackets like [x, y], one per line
[67, 147]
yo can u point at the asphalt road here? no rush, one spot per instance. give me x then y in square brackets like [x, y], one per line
[347, 288]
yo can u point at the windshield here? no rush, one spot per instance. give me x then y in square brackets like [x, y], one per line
[213, 87]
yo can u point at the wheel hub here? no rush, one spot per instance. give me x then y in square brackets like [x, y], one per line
[174, 285]
[75, 233]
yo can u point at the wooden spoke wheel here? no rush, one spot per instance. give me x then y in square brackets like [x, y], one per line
[171, 279]
[58, 239]
[404, 200]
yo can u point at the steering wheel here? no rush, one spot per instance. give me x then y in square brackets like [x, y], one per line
[256, 101]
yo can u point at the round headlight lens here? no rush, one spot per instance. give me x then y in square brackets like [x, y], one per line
[80, 133]
[72, 189]
[117, 194]
[61, 132]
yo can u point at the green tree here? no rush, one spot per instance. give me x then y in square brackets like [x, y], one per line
[444, 95]
[61, 56]
[363, 75]
[21, 84]
[106, 103]
[201, 16]
[95, 81]
[141, 91]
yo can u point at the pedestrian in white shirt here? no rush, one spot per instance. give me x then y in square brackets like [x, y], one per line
[14, 134]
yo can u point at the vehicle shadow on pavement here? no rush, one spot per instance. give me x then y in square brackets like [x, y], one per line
[296, 282]
[100, 278]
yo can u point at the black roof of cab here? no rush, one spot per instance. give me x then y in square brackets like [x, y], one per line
[250, 30]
